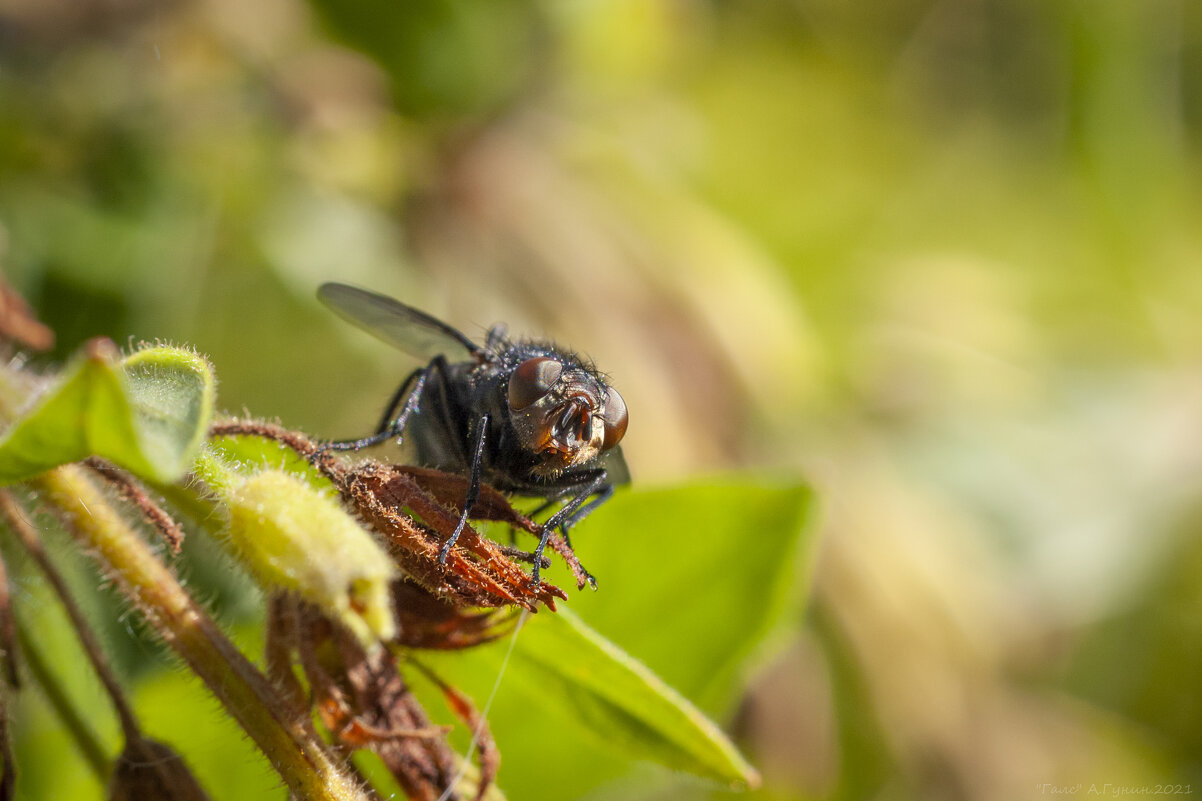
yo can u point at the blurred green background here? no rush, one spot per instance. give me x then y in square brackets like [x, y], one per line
[943, 259]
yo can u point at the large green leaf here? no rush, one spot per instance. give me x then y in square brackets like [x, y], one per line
[716, 562]
[692, 578]
[148, 415]
[621, 701]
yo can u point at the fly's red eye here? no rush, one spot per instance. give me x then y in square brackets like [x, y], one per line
[532, 380]
[615, 418]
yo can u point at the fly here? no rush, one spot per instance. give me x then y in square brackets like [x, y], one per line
[523, 416]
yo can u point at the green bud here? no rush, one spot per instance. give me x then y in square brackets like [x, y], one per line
[297, 538]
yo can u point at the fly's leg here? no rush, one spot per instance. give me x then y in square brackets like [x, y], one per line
[572, 513]
[547, 529]
[473, 492]
[407, 398]
[514, 552]
[587, 509]
[390, 412]
[394, 426]
[496, 337]
[545, 505]
[535, 512]
[410, 390]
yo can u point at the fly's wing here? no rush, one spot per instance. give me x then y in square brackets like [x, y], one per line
[615, 467]
[401, 326]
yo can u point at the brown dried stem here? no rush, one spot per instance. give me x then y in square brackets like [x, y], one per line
[282, 627]
[132, 491]
[257, 428]
[382, 493]
[364, 702]
[432, 495]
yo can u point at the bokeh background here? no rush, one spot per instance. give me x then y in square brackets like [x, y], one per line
[942, 258]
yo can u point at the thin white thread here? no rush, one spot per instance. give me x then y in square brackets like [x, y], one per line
[467, 758]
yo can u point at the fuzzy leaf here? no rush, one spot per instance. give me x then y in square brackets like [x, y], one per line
[172, 392]
[248, 454]
[148, 415]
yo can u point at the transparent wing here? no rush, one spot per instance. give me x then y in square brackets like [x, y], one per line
[401, 326]
[615, 467]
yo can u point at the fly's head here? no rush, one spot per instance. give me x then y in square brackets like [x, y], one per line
[565, 414]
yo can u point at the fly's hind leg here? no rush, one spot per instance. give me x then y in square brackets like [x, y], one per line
[406, 399]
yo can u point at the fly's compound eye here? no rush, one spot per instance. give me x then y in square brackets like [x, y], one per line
[615, 418]
[532, 380]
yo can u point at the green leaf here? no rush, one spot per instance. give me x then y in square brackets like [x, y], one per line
[692, 580]
[172, 392]
[148, 416]
[247, 454]
[620, 700]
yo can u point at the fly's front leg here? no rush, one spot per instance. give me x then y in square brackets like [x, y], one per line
[573, 520]
[572, 513]
[473, 490]
[576, 510]
[548, 503]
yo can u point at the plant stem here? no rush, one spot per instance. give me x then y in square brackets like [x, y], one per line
[281, 732]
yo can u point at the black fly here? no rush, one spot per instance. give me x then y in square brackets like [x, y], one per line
[525, 417]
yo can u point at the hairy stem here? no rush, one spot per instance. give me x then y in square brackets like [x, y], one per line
[284, 737]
